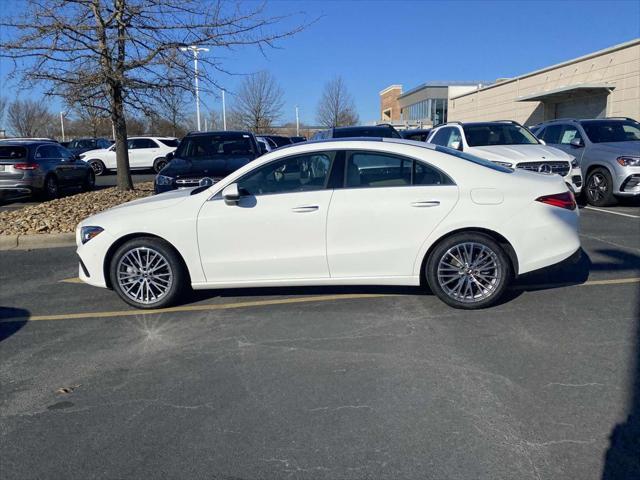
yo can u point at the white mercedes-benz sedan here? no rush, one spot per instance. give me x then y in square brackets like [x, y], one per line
[338, 212]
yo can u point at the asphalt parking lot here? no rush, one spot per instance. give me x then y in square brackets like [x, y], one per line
[103, 181]
[326, 383]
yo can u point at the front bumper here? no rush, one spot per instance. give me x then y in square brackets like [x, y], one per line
[91, 255]
[629, 185]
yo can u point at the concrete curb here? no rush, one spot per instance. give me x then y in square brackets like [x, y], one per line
[43, 240]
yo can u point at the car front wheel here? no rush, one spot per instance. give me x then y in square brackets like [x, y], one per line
[599, 188]
[468, 271]
[159, 164]
[98, 167]
[147, 273]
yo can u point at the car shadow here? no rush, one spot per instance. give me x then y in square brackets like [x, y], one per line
[12, 320]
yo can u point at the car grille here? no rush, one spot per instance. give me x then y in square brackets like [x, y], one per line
[190, 182]
[561, 168]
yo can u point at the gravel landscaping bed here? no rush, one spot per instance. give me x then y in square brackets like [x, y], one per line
[63, 214]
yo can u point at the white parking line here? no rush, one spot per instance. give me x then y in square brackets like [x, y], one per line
[611, 212]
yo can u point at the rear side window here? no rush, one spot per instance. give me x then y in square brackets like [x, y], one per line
[374, 169]
[169, 142]
[47, 151]
[12, 153]
[137, 143]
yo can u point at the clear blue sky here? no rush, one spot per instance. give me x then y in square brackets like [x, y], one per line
[373, 44]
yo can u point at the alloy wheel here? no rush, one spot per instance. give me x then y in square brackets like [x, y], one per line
[597, 187]
[97, 167]
[469, 272]
[144, 275]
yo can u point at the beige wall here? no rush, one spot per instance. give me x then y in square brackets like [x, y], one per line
[619, 67]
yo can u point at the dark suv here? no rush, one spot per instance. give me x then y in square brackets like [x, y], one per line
[379, 131]
[40, 167]
[207, 157]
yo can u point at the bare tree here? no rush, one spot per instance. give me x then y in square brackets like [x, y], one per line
[258, 103]
[113, 54]
[91, 121]
[30, 118]
[336, 107]
[172, 110]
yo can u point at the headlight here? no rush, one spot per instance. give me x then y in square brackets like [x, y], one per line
[628, 161]
[503, 164]
[574, 163]
[87, 233]
[164, 180]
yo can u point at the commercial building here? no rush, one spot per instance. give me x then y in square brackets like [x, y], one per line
[424, 105]
[601, 84]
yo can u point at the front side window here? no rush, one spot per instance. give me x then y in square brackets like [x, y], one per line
[601, 131]
[301, 173]
[441, 137]
[487, 134]
[552, 134]
[64, 153]
[47, 151]
[569, 134]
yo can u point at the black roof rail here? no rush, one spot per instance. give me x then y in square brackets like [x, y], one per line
[508, 121]
[455, 122]
[622, 118]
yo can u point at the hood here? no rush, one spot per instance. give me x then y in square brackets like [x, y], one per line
[206, 167]
[140, 206]
[97, 151]
[621, 148]
[520, 153]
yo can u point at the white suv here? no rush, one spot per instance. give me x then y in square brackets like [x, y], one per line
[509, 144]
[144, 153]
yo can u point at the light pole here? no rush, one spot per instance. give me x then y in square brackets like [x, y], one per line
[195, 49]
[224, 113]
[297, 122]
[62, 124]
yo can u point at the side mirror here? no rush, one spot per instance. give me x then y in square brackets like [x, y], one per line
[231, 194]
[542, 141]
[169, 156]
[576, 142]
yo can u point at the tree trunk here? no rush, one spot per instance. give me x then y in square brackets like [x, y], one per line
[124, 181]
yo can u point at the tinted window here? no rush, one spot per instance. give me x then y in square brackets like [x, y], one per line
[295, 174]
[612, 131]
[137, 143]
[372, 169]
[207, 146]
[64, 153]
[104, 144]
[486, 134]
[280, 141]
[384, 132]
[427, 175]
[47, 151]
[86, 143]
[12, 153]
[552, 133]
[169, 142]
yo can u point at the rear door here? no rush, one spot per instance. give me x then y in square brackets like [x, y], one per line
[142, 152]
[51, 159]
[388, 208]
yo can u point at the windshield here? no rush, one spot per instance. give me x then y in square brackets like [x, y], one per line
[601, 131]
[486, 134]
[208, 146]
[473, 159]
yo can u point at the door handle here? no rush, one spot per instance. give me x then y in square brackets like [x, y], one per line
[426, 203]
[305, 209]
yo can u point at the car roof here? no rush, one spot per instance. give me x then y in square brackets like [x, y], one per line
[26, 143]
[219, 132]
[404, 141]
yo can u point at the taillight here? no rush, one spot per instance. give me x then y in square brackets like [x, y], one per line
[25, 166]
[562, 200]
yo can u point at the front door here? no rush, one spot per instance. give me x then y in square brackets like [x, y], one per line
[378, 223]
[277, 229]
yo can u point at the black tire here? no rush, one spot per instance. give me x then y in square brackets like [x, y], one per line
[598, 188]
[51, 189]
[159, 164]
[89, 181]
[178, 279]
[98, 167]
[479, 288]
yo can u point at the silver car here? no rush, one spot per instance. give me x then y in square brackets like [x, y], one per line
[607, 149]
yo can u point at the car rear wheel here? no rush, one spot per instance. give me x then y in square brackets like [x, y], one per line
[159, 164]
[98, 167]
[468, 271]
[51, 189]
[89, 181]
[599, 188]
[147, 273]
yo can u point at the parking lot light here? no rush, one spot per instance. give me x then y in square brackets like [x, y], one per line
[194, 49]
